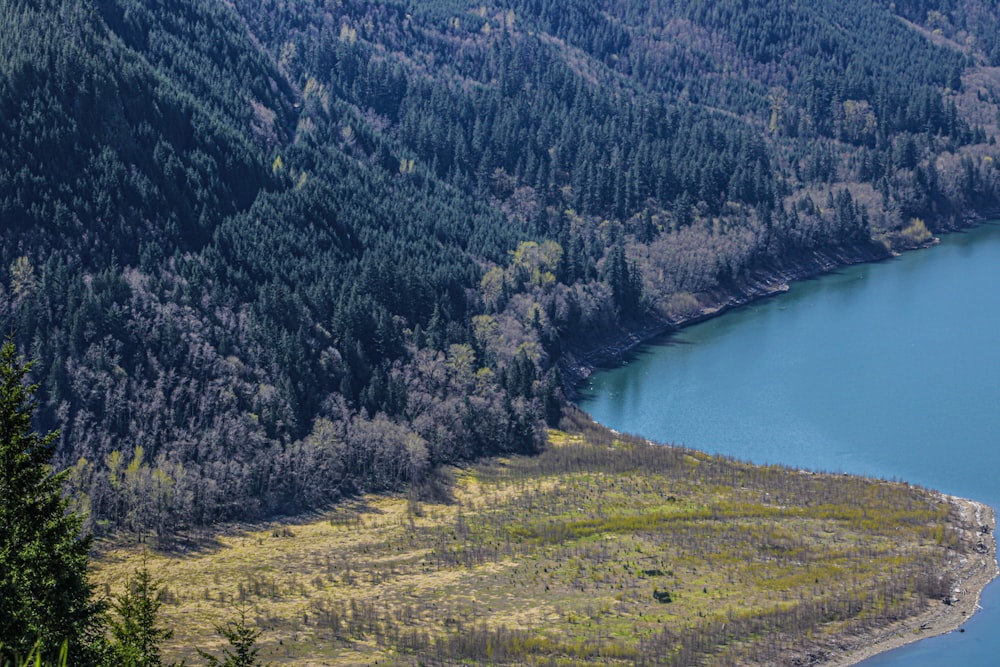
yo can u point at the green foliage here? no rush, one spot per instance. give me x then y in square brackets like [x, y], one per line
[45, 599]
[34, 658]
[663, 597]
[916, 232]
[242, 638]
[136, 635]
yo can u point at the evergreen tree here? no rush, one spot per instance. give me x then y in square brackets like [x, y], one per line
[44, 593]
[623, 277]
[242, 638]
[136, 635]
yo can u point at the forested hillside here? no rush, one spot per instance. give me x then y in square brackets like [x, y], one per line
[271, 253]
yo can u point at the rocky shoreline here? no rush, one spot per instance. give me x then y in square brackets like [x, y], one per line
[972, 572]
[576, 367]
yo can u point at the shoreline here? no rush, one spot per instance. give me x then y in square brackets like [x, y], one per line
[972, 573]
[763, 283]
[578, 364]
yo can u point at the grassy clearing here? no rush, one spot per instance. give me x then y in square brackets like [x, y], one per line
[601, 550]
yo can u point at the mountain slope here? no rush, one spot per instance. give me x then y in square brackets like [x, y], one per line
[268, 254]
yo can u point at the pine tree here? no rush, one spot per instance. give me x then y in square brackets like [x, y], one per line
[45, 599]
[136, 635]
[243, 640]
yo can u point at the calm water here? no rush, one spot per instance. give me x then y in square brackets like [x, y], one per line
[890, 370]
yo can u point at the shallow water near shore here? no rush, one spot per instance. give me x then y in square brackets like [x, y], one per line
[889, 370]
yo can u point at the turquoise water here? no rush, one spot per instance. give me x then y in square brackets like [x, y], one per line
[890, 370]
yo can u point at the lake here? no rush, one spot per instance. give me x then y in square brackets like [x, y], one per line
[890, 370]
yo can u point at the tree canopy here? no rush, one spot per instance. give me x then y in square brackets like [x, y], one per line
[44, 594]
[268, 254]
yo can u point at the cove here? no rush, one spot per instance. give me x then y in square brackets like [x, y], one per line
[888, 370]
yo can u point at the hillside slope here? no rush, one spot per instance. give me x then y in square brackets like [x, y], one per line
[268, 254]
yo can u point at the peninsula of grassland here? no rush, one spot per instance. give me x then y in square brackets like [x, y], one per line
[603, 549]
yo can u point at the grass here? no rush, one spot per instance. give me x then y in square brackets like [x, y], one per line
[35, 659]
[602, 550]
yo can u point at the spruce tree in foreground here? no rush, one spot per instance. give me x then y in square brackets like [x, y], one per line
[135, 632]
[45, 599]
[242, 638]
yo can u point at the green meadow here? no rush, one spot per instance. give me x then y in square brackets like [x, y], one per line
[604, 549]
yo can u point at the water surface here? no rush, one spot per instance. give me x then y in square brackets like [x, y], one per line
[889, 370]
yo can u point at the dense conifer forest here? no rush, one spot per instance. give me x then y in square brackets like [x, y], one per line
[269, 254]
